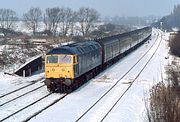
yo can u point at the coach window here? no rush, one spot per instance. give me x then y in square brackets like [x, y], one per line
[52, 59]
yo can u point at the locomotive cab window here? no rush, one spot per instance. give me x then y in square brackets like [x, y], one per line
[65, 59]
[52, 59]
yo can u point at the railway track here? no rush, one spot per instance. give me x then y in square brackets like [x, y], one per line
[38, 112]
[29, 90]
[10, 98]
[20, 92]
[25, 107]
[55, 101]
[32, 104]
[11, 92]
[8, 101]
[131, 82]
[95, 103]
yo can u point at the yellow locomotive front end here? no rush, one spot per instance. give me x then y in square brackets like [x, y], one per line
[59, 66]
[59, 71]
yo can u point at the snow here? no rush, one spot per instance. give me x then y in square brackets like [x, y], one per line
[130, 108]
[2, 47]
[20, 103]
[9, 83]
[31, 110]
[132, 105]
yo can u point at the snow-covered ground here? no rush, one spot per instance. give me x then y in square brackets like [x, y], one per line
[132, 105]
[9, 83]
[130, 108]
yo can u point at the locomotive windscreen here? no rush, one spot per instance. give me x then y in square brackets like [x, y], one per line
[52, 59]
[65, 59]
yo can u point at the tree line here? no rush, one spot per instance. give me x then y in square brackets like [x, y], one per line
[58, 21]
[170, 21]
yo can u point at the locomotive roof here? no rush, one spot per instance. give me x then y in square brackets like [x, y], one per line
[76, 48]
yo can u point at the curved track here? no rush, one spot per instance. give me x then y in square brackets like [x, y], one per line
[132, 81]
[87, 111]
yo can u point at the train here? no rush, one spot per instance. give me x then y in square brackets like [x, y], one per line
[68, 67]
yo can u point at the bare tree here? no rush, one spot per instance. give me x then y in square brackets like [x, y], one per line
[52, 19]
[73, 21]
[32, 19]
[87, 17]
[66, 20]
[7, 18]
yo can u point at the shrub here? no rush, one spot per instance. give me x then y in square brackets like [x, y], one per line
[164, 104]
[175, 45]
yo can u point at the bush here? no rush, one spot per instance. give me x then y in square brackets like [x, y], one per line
[164, 104]
[175, 45]
[174, 76]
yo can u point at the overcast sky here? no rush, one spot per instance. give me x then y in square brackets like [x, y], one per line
[104, 7]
